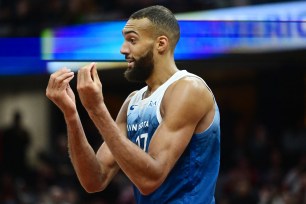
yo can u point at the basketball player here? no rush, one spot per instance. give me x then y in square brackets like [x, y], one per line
[166, 137]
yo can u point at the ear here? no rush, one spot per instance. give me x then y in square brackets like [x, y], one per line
[162, 43]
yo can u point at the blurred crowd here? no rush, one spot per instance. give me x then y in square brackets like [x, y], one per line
[257, 167]
[52, 180]
[260, 166]
[30, 17]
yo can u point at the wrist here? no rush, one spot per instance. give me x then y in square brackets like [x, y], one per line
[97, 110]
[70, 115]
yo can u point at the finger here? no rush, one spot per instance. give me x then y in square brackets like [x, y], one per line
[79, 78]
[94, 73]
[61, 71]
[59, 80]
[82, 74]
[88, 74]
[65, 83]
[56, 79]
[54, 76]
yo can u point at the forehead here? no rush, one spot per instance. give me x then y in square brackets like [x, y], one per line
[137, 26]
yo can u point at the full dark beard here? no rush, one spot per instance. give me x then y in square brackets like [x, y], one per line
[142, 68]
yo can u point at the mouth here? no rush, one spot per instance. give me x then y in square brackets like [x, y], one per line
[130, 62]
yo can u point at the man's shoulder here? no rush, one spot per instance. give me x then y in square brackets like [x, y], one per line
[190, 82]
[189, 90]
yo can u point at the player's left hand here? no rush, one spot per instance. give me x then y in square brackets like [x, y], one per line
[89, 87]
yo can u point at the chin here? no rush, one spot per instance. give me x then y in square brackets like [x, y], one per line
[130, 67]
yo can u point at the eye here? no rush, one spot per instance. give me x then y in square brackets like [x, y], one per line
[132, 40]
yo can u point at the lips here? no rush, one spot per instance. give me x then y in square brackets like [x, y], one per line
[130, 62]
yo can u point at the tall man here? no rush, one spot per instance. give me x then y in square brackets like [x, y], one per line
[166, 137]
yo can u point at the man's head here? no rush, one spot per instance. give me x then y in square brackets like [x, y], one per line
[149, 32]
[163, 22]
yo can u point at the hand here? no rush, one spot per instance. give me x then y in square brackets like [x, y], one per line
[60, 92]
[90, 87]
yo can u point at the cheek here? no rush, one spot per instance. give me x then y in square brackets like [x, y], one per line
[140, 50]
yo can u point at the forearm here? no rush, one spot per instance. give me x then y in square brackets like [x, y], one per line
[82, 155]
[141, 169]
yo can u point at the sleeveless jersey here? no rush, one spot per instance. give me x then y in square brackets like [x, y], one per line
[193, 178]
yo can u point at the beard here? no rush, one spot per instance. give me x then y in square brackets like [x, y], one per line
[143, 68]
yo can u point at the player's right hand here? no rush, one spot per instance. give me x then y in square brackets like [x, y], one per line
[60, 92]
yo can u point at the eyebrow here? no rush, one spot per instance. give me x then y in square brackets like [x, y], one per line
[128, 32]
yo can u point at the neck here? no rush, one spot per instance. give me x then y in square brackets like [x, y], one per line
[161, 73]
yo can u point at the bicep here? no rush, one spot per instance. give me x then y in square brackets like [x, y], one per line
[183, 109]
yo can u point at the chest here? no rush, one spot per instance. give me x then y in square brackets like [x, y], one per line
[142, 122]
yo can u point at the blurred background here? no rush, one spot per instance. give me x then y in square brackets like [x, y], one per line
[257, 74]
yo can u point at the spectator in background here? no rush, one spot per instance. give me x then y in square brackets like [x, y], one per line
[295, 180]
[1, 152]
[293, 142]
[259, 146]
[16, 140]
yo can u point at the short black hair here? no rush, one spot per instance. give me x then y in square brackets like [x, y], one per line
[163, 20]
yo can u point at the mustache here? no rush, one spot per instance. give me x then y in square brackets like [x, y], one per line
[128, 58]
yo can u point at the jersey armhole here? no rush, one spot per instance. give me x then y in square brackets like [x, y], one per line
[158, 114]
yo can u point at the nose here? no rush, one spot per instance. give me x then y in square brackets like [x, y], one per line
[124, 49]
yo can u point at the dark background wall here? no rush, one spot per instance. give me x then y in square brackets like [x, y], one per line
[262, 99]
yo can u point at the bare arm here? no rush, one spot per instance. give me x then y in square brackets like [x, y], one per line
[94, 171]
[182, 112]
